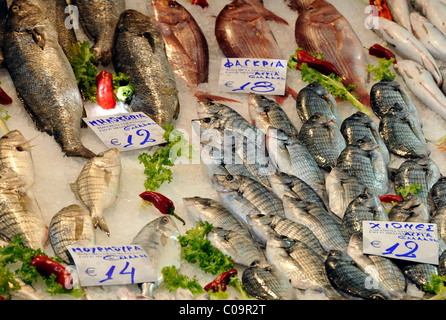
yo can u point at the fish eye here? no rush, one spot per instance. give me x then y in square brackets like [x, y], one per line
[231, 6]
[172, 4]
[311, 8]
[165, 220]
[128, 14]
[207, 120]
[15, 8]
[20, 148]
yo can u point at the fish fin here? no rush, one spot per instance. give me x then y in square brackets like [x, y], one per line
[26, 146]
[99, 221]
[74, 188]
[205, 97]
[79, 151]
[271, 16]
[107, 177]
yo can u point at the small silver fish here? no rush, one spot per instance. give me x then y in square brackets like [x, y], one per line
[98, 184]
[71, 225]
[159, 238]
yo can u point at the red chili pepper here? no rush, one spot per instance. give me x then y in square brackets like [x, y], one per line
[389, 198]
[380, 52]
[221, 281]
[47, 267]
[5, 99]
[161, 202]
[322, 66]
[201, 3]
[106, 96]
[383, 8]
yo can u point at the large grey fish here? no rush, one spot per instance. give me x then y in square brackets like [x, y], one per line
[300, 264]
[99, 19]
[433, 10]
[159, 239]
[15, 153]
[407, 45]
[240, 247]
[410, 209]
[321, 28]
[98, 184]
[323, 139]
[315, 98]
[325, 227]
[292, 157]
[403, 134]
[342, 188]
[285, 184]
[418, 273]
[262, 226]
[365, 162]
[205, 209]
[386, 93]
[244, 196]
[384, 270]
[347, 277]
[71, 225]
[264, 282]
[20, 212]
[266, 113]
[400, 11]
[360, 125]
[43, 76]
[365, 207]
[423, 172]
[429, 35]
[139, 52]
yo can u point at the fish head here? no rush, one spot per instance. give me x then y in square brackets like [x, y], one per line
[109, 158]
[195, 204]
[135, 22]
[227, 183]
[169, 12]
[260, 225]
[258, 107]
[320, 11]
[239, 10]
[317, 88]
[366, 144]
[280, 241]
[15, 140]
[24, 15]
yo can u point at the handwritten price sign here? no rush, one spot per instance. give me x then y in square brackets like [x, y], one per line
[261, 76]
[112, 265]
[417, 242]
[128, 131]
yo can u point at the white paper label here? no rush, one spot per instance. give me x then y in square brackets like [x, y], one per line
[112, 265]
[261, 76]
[416, 242]
[127, 131]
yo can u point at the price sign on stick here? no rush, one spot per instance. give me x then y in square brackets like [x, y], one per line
[416, 242]
[128, 131]
[112, 265]
[261, 76]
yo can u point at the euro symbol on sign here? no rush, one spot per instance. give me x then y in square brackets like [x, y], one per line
[91, 271]
[229, 84]
[115, 142]
[376, 244]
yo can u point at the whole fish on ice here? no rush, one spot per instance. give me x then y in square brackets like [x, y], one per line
[410, 209]
[139, 52]
[400, 11]
[433, 10]
[43, 76]
[98, 183]
[429, 35]
[321, 28]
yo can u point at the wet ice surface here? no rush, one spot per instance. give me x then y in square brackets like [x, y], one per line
[129, 214]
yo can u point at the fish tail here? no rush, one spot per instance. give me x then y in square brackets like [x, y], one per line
[99, 221]
[205, 97]
[79, 151]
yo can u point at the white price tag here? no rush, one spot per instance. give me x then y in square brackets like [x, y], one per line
[261, 76]
[112, 265]
[127, 131]
[416, 242]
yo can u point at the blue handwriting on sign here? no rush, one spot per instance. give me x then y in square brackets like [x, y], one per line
[248, 63]
[258, 87]
[410, 245]
[142, 133]
[124, 271]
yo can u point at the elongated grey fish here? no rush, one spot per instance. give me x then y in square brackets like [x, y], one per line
[15, 153]
[263, 281]
[240, 247]
[43, 76]
[399, 9]
[323, 139]
[98, 184]
[429, 35]
[358, 126]
[410, 209]
[20, 213]
[159, 238]
[244, 196]
[434, 10]
[384, 270]
[346, 276]
[315, 98]
[99, 19]
[365, 162]
[365, 207]
[262, 226]
[325, 227]
[71, 225]
[139, 52]
[214, 212]
[300, 264]
[423, 172]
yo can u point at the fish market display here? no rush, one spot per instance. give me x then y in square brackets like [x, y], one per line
[43, 76]
[139, 52]
[271, 191]
[99, 19]
[97, 185]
